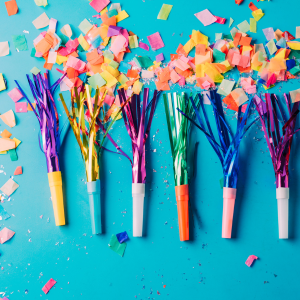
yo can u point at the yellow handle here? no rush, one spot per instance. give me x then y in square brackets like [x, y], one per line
[55, 183]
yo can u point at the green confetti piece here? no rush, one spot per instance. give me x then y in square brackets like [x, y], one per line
[113, 64]
[35, 70]
[85, 26]
[143, 61]
[164, 12]
[13, 154]
[20, 42]
[218, 56]
[116, 246]
[225, 87]
[96, 80]
[244, 26]
[222, 183]
[133, 41]
[253, 25]
[230, 22]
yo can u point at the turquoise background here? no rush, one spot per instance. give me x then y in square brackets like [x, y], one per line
[206, 267]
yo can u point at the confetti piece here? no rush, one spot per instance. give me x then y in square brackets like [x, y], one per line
[67, 31]
[226, 87]
[230, 22]
[6, 144]
[164, 12]
[18, 171]
[41, 21]
[9, 187]
[9, 118]
[269, 33]
[48, 286]
[5, 235]
[85, 26]
[15, 95]
[116, 246]
[19, 42]
[122, 237]
[35, 71]
[4, 49]
[21, 107]
[41, 2]
[250, 260]
[6, 134]
[2, 83]
[244, 26]
[205, 17]
[155, 41]
[4, 215]
[11, 7]
[99, 5]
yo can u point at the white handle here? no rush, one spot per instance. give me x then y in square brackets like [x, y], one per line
[282, 195]
[138, 196]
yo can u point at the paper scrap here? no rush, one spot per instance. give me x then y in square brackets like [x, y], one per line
[297, 33]
[164, 12]
[4, 49]
[99, 5]
[41, 21]
[205, 17]
[85, 26]
[155, 41]
[67, 31]
[15, 95]
[7, 144]
[21, 107]
[253, 25]
[225, 87]
[295, 95]
[48, 286]
[5, 235]
[35, 71]
[250, 260]
[9, 118]
[18, 171]
[20, 42]
[4, 215]
[6, 134]
[244, 26]
[41, 2]
[269, 33]
[2, 83]
[230, 22]
[116, 246]
[96, 81]
[9, 187]
[11, 7]
[122, 237]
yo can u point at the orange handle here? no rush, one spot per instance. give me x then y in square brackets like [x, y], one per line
[182, 198]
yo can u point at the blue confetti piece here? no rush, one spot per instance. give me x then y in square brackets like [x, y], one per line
[3, 213]
[122, 237]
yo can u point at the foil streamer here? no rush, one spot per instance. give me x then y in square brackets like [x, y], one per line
[279, 139]
[47, 116]
[85, 113]
[178, 128]
[138, 129]
[227, 148]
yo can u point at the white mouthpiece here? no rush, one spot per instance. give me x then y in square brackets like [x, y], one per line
[138, 196]
[282, 195]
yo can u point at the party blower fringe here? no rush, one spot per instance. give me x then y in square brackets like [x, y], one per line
[85, 112]
[179, 128]
[279, 140]
[227, 149]
[138, 128]
[47, 116]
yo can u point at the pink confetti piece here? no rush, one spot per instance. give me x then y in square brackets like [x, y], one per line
[220, 20]
[5, 235]
[99, 5]
[48, 286]
[250, 260]
[155, 41]
[21, 107]
[144, 46]
[15, 95]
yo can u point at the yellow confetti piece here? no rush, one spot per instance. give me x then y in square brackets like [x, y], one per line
[110, 80]
[84, 44]
[121, 16]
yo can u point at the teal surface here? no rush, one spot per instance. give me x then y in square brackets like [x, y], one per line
[157, 266]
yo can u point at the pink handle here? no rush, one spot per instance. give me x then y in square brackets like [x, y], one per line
[229, 196]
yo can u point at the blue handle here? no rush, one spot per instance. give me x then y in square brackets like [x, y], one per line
[94, 191]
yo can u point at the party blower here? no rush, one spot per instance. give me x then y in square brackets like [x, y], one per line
[227, 149]
[84, 114]
[179, 128]
[138, 128]
[279, 140]
[47, 116]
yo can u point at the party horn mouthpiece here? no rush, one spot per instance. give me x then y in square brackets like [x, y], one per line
[229, 195]
[182, 198]
[55, 183]
[282, 195]
[94, 190]
[138, 196]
